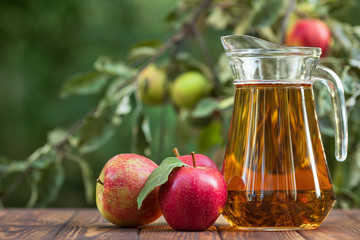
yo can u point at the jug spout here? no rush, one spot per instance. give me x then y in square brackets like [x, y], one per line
[233, 43]
[254, 60]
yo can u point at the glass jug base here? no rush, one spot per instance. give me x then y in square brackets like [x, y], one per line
[277, 210]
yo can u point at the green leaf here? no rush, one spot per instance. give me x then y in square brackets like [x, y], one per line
[12, 166]
[42, 158]
[205, 107]
[57, 136]
[226, 103]
[141, 53]
[112, 67]
[223, 69]
[87, 176]
[50, 184]
[324, 105]
[95, 131]
[84, 84]
[124, 106]
[145, 127]
[348, 81]
[218, 18]
[158, 177]
[266, 12]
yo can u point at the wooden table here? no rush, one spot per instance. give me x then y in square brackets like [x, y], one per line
[89, 224]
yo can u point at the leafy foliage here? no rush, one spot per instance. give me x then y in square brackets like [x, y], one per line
[193, 27]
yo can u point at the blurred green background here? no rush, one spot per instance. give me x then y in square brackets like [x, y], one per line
[44, 43]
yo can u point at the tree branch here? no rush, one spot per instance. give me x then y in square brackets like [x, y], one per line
[180, 35]
[173, 41]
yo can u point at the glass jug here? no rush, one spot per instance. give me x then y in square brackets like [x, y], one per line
[275, 166]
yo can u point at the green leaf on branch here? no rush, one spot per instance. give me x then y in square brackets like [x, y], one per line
[223, 69]
[87, 176]
[219, 19]
[45, 183]
[266, 12]
[145, 127]
[100, 126]
[94, 133]
[226, 103]
[159, 176]
[141, 53]
[204, 108]
[42, 158]
[124, 106]
[84, 84]
[348, 81]
[57, 136]
[8, 166]
[109, 66]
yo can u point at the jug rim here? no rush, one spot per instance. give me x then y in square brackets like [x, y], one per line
[271, 49]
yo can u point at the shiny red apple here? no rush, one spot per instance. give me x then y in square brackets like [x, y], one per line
[118, 186]
[193, 197]
[309, 33]
[201, 160]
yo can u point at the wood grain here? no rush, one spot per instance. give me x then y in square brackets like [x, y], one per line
[227, 232]
[160, 230]
[338, 225]
[33, 224]
[89, 224]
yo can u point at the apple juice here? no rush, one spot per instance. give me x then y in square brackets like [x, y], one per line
[275, 166]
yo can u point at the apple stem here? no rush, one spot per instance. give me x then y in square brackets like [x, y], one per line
[193, 157]
[99, 181]
[176, 152]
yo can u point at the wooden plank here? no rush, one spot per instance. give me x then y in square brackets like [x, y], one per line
[354, 214]
[32, 224]
[160, 230]
[227, 232]
[89, 224]
[338, 225]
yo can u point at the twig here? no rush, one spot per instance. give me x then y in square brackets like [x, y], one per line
[289, 10]
[181, 34]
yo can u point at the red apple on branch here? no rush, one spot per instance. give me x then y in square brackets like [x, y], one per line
[193, 197]
[118, 186]
[309, 33]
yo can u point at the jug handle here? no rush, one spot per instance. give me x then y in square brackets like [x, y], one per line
[336, 89]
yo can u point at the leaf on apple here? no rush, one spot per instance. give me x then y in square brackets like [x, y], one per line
[158, 177]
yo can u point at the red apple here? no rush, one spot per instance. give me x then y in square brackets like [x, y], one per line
[119, 184]
[193, 197]
[201, 160]
[309, 33]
